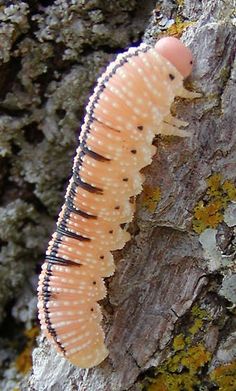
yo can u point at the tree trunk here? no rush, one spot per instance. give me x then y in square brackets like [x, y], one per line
[169, 313]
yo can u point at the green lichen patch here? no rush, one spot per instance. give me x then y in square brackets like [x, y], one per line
[183, 370]
[150, 197]
[208, 212]
[225, 377]
[179, 342]
[199, 313]
[186, 367]
[189, 365]
[199, 317]
[178, 27]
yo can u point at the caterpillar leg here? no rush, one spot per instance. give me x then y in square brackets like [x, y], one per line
[183, 93]
[172, 126]
[175, 121]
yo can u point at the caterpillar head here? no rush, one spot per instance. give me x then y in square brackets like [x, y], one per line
[179, 55]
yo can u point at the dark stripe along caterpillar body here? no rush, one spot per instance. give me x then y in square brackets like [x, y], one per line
[130, 105]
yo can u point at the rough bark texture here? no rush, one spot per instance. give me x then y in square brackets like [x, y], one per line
[171, 297]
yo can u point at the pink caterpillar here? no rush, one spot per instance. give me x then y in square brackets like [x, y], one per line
[130, 105]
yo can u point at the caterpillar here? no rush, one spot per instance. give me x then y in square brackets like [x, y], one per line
[130, 105]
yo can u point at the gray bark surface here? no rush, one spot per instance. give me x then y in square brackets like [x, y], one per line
[167, 267]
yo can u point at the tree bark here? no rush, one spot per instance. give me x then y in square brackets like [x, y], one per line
[169, 313]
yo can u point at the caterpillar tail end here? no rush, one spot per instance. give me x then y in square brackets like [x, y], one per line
[89, 361]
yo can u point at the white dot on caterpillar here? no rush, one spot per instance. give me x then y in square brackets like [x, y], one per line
[141, 100]
[64, 257]
[76, 339]
[78, 348]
